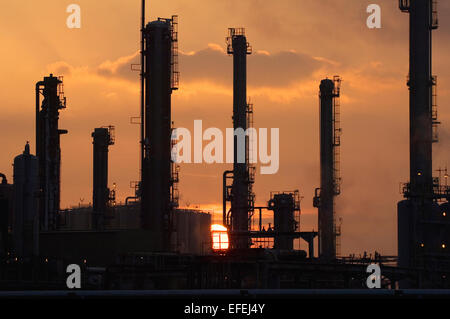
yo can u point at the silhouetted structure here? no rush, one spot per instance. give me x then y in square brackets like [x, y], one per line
[48, 148]
[148, 244]
[284, 206]
[241, 195]
[423, 229]
[324, 198]
[158, 173]
[6, 200]
[421, 84]
[103, 138]
[26, 218]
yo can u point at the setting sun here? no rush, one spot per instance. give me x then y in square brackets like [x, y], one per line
[219, 237]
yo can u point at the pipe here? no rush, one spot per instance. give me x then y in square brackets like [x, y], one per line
[4, 180]
[142, 85]
[38, 85]
[130, 197]
[224, 196]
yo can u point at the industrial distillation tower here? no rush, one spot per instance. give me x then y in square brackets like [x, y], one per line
[324, 198]
[48, 148]
[240, 192]
[103, 137]
[159, 77]
[238, 183]
[423, 229]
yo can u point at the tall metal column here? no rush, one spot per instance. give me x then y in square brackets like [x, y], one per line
[324, 199]
[48, 148]
[157, 182]
[239, 48]
[418, 241]
[420, 96]
[327, 244]
[102, 139]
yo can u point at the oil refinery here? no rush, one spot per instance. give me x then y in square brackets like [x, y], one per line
[151, 242]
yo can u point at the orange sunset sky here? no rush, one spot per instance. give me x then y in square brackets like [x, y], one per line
[296, 43]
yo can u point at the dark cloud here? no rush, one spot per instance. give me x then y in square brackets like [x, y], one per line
[60, 68]
[264, 69]
[280, 69]
[123, 67]
[214, 65]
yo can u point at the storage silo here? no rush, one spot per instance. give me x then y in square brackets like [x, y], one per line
[26, 192]
[192, 231]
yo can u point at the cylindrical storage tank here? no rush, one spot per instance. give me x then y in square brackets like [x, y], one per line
[196, 244]
[182, 231]
[26, 218]
[199, 232]
[192, 231]
[5, 214]
[205, 233]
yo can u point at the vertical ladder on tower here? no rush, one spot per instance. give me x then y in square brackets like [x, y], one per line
[336, 134]
[337, 234]
[434, 15]
[336, 158]
[434, 111]
[174, 179]
[62, 98]
[249, 149]
[404, 5]
[175, 74]
[249, 157]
